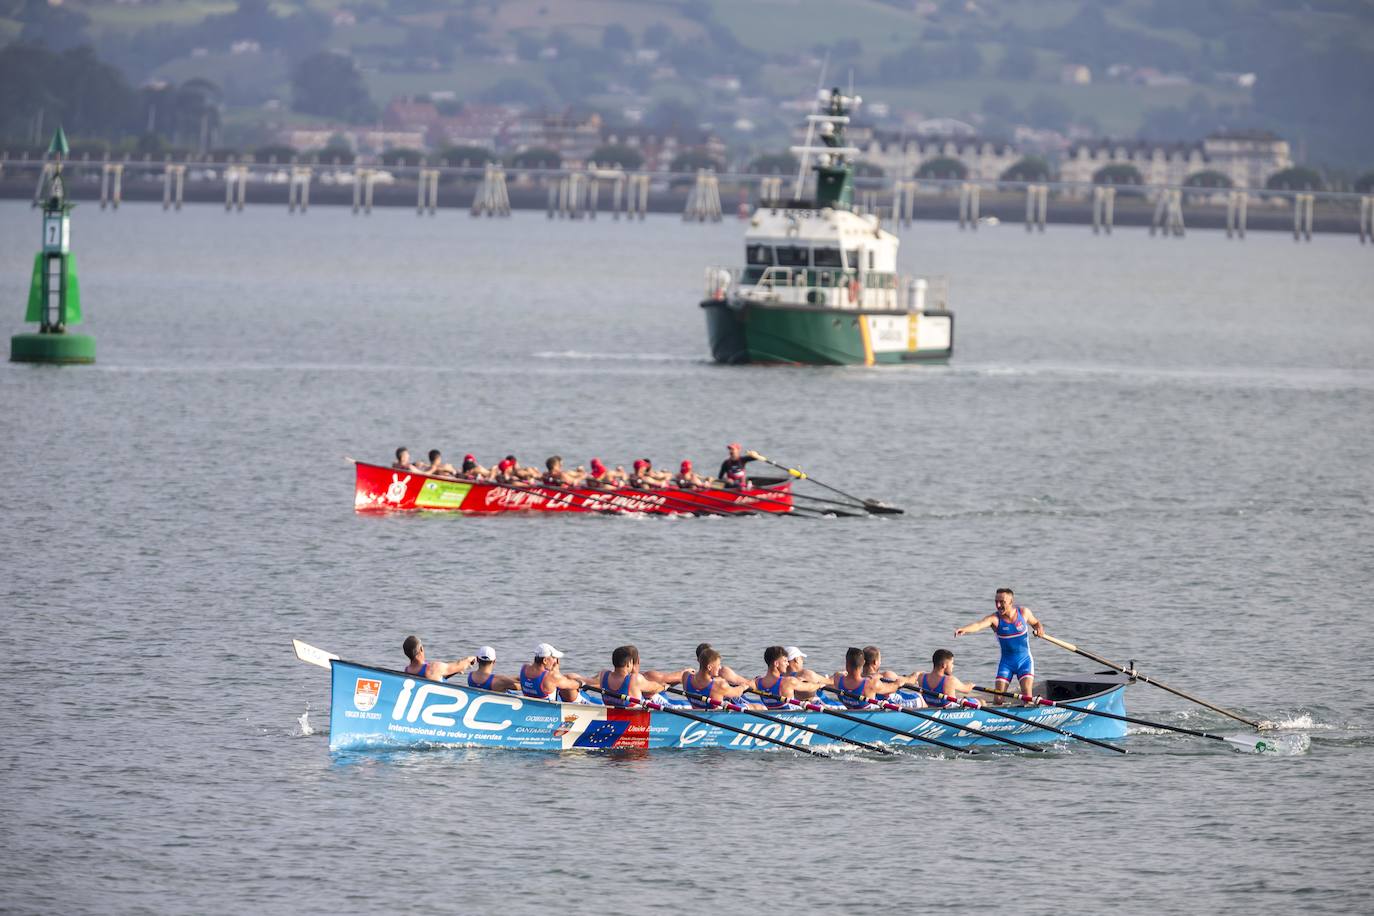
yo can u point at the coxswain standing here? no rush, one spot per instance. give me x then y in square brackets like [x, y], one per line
[732, 471]
[1013, 624]
[542, 680]
[419, 666]
[484, 677]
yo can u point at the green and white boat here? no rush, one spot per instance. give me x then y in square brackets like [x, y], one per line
[820, 285]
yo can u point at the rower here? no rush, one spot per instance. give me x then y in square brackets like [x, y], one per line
[472, 469]
[555, 476]
[419, 666]
[644, 477]
[805, 682]
[484, 676]
[598, 476]
[858, 690]
[436, 464]
[660, 478]
[1013, 624]
[940, 679]
[624, 683]
[686, 479]
[873, 664]
[506, 471]
[402, 462]
[542, 680]
[732, 471]
[775, 687]
[731, 677]
[708, 683]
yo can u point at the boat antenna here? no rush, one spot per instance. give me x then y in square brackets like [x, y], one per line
[810, 129]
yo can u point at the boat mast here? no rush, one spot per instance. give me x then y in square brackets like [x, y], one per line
[834, 161]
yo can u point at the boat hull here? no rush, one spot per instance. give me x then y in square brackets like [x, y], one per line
[752, 333]
[373, 708]
[378, 488]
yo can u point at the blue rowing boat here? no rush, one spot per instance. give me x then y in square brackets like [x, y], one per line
[379, 708]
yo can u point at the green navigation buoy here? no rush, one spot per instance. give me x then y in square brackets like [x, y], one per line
[54, 296]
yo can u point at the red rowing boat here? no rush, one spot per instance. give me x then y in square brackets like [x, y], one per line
[382, 489]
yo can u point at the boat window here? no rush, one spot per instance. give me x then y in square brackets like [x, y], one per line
[759, 254]
[870, 260]
[792, 255]
[827, 257]
[852, 259]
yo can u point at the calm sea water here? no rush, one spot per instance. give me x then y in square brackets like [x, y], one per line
[1163, 446]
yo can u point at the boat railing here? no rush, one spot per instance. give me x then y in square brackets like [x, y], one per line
[827, 287]
[923, 294]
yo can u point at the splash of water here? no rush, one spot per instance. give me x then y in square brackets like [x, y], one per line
[304, 722]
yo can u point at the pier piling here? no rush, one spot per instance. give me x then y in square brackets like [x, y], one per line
[1366, 218]
[491, 197]
[173, 185]
[968, 205]
[1302, 216]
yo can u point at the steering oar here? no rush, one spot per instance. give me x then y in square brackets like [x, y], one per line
[1132, 673]
[869, 505]
[974, 704]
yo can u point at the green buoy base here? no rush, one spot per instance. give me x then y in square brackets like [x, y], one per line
[52, 348]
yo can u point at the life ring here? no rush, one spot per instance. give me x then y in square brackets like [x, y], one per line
[853, 291]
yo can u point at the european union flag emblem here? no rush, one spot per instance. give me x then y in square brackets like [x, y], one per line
[601, 734]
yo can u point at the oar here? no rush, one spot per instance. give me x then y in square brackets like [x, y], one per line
[709, 493]
[664, 707]
[667, 493]
[894, 707]
[1255, 745]
[827, 710]
[739, 707]
[974, 704]
[828, 502]
[871, 505]
[1140, 677]
[312, 655]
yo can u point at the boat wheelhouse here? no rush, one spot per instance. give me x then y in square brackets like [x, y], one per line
[820, 283]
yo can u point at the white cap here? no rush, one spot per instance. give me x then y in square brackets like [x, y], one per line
[486, 654]
[544, 650]
[794, 652]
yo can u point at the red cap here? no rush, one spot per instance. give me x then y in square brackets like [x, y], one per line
[640, 463]
[598, 467]
[469, 458]
[686, 466]
[734, 445]
[506, 464]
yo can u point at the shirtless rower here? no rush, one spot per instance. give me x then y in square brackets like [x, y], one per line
[555, 476]
[624, 680]
[856, 689]
[436, 464]
[940, 679]
[709, 683]
[1013, 624]
[542, 680]
[805, 682]
[775, 687]
[433, 671]
[402, 462]
[661, 478]
[472, 469]
[732, 471]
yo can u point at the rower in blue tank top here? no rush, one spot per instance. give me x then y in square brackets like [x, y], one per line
[940, 680]
[543, 680]
[710, 682]
[427, 670]
[1013, 625]
[856, 688]
[624, 683]
[775, 687]
[484, 676]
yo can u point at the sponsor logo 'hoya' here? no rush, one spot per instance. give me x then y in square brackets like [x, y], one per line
[365, 694]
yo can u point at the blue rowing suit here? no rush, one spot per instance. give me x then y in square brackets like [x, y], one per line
[1014, 638]
[771, 698]
[931, 692]
[700, 699]
[534, 686]
[484, 685]
[613, 697]
[853, 699]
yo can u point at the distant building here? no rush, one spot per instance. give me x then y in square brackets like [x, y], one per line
[573, 136]
[660, 149]
[900, 156]
[1247, 157]
[1075, 74]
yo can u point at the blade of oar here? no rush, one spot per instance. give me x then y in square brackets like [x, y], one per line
[894, 707]
[871, 505]
[708, 494]
[1256, 744]
[664, 707]
[312, 655]
[806, 728]
[828, 502]
[973, 704]
[1140, 677]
